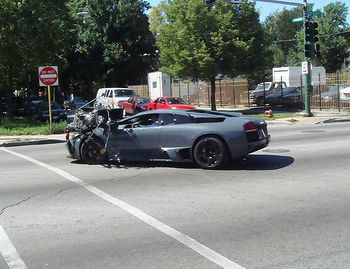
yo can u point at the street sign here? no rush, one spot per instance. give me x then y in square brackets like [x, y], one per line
[48, 76]
[304, 69]
[235, 1]
[300, 19]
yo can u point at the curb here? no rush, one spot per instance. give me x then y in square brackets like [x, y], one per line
[30, 143]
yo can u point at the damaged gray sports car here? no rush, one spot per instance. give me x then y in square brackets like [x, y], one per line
[210, 139]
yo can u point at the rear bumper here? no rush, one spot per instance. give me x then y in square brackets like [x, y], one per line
[256, 145]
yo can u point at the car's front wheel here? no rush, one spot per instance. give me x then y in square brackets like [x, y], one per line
[210, 153]
[92, 152]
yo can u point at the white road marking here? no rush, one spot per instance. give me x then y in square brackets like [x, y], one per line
[180, 237]
[9, 252]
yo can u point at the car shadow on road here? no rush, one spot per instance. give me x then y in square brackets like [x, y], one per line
[252, 162]
[262, 162]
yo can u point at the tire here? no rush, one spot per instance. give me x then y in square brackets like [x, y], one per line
[92, 152]
[210, 153]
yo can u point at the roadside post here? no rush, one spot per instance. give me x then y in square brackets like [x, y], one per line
[48, 76]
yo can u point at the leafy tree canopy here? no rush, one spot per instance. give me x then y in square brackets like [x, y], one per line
[200, 42]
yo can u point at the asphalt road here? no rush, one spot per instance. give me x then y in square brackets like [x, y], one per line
[284, 207]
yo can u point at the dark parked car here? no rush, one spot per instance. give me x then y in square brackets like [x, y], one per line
[41, 112]
[135, 105]
[210, 139]
[289, 96]
[75, 103]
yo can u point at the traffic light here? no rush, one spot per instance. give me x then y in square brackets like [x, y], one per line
[309, 31]
[312, 49]
[309, 50]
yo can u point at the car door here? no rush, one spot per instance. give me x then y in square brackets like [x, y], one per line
[128, 106]
[177, 130]
[161, 103]
[136, 139]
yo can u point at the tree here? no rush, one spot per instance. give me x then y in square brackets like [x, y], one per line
[32, 33]
[333, 44]
[285, 38]
[197, 41]
[113, 40]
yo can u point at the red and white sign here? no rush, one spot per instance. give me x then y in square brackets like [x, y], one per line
[48, 76]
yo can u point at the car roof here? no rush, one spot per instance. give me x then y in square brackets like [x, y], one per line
[117, 88]
[193, 113]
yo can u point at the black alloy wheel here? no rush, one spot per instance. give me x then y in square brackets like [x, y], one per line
[210, 153]
[93, 152]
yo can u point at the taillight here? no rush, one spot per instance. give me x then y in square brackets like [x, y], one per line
[250, 127]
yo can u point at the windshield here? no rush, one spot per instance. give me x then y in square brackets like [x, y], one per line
[119, 93]
[144, 100]
[261, 86]
[175, 100]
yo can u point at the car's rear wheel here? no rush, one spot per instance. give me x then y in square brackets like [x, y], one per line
[210, 153]
[93, 152]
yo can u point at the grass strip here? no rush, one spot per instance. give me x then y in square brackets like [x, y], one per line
[26, 126]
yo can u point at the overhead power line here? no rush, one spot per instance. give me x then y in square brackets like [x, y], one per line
[294, 39]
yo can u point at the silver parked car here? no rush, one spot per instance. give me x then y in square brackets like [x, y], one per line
[209, 138]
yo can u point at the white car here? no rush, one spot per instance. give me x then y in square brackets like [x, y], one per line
[113, 97]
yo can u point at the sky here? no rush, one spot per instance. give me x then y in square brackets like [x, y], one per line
[268, 8]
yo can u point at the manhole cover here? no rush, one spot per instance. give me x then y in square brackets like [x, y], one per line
[276, 150]
[313, 131]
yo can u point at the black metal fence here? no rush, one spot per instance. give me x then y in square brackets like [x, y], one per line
[331, 92]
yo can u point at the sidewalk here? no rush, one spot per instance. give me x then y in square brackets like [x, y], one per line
[328, 116]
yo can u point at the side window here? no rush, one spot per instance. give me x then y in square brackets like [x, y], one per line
[149, 120]
[161, 101]
[154, 84]
[143, 121]
[167, 119]
[182, 119]
[107, 93]
[111, 94]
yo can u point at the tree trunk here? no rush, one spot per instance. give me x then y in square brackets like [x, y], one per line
[212, 98]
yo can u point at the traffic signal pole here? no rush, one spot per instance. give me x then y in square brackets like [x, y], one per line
[310, 45]
[308, 75]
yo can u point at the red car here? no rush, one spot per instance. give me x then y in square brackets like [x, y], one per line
[135, 104]
[169, 102]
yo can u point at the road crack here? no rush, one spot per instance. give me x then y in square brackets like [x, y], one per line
[16, 204]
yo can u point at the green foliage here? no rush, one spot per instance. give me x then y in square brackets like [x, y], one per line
[200, 42]
[333, 45]
[287, 38]
[32, 33]
[284, 37]
[112, 42]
